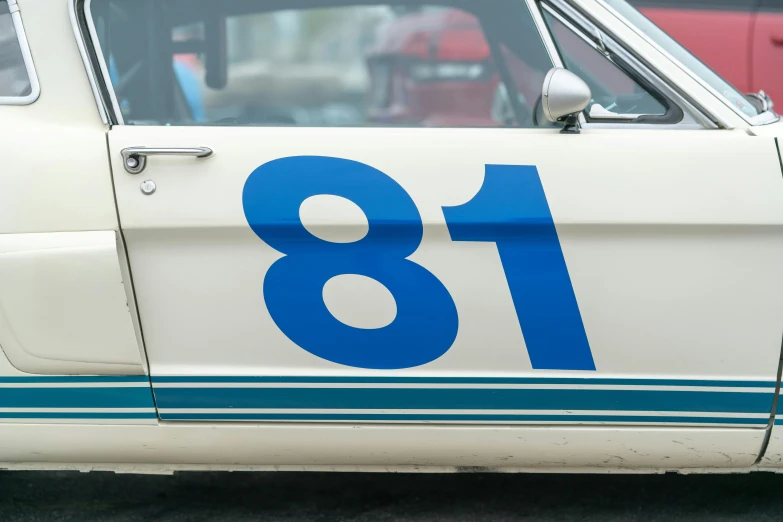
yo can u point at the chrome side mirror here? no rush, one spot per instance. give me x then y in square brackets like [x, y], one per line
[764, 101]
[565, 96]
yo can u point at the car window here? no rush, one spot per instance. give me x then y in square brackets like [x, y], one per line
[616, 95]
[14, 77]
[238, 62]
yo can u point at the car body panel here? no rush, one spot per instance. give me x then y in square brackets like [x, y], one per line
[413, 449]
[63, 303]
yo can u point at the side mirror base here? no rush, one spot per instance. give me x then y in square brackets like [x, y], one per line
[571, 125]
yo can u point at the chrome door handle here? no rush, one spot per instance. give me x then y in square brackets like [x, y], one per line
[135, 158]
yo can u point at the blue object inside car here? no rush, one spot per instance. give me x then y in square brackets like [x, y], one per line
[188, 81]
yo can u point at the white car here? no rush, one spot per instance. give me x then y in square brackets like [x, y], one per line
[191, 279]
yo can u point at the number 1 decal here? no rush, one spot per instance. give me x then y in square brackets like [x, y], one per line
[510, 210]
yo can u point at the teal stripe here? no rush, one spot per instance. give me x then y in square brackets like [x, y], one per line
[459, 418]
[97, 397]
[466, 380]
[77, 415]
[75, 379]
[387, 380]
[463, 399]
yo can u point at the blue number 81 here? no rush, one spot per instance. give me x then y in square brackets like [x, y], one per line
[510, 210]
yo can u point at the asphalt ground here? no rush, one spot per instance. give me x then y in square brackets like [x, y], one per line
[285, 496]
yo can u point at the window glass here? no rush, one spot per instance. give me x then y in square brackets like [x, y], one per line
[652, 31]
[242, 62]
[14, 79]
[616, 96]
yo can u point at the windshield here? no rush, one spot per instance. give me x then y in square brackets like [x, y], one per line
[735, 98]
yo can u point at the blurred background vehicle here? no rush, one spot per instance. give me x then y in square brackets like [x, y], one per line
[432, 66]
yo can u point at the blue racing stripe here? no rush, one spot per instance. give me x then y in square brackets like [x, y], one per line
[97, 397]
[78, 415]
[465, 380]
[459, 418]
[465, 398]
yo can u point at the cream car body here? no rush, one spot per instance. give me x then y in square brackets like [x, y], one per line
[141, 332]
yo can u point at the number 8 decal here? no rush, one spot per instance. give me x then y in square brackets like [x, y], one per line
[510, 210]
[426, 323]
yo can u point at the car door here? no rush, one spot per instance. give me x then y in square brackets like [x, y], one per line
[295, 259]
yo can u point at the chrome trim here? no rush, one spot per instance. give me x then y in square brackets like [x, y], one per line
[148, 187]
[543, 31]
[91, 74]
[764, 100]
[761, 119]
[134, 159]
[27, 56]
[693, 118]
[96, 44]
[644, 126]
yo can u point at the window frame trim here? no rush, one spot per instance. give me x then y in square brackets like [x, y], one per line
[113, 105]
[87, 53]
[27, 57]
[577, 12]
[543, 31]
[693, 118]
[764, 118]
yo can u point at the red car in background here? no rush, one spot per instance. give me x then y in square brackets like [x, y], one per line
[433, 66]
[742, 40]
